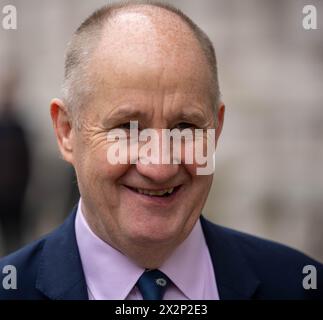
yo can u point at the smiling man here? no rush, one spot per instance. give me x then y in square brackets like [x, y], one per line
[137, 232]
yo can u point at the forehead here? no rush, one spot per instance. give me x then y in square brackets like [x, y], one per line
[150, 49]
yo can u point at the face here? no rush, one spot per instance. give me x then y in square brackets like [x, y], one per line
[162, 81]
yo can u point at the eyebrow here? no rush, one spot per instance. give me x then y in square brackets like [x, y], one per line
[128, 113]
[123, 113]
[192, 115]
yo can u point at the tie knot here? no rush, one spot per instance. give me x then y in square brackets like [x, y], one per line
[152, 284]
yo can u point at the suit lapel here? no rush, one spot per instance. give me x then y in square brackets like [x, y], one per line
[235, 279]
[60, 274]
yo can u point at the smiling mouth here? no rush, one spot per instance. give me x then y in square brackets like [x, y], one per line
[163, 193]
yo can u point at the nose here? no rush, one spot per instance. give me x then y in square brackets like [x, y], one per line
[157, 170]
[158, 173]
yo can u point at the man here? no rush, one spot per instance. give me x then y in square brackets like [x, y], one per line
[137, 232]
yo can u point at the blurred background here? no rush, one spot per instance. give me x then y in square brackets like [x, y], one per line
[269, 175]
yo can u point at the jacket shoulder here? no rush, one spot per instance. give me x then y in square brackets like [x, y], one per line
[25, 263]
[279, 268]
[49, 268]
[269, 252]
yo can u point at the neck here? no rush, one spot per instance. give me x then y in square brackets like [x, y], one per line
[148, 257]
[146, 254]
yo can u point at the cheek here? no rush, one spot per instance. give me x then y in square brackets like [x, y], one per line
[191, 169]
[100, 171]
[92, 165]
[200, 183]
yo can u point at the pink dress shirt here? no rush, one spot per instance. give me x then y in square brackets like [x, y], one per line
[110, 275]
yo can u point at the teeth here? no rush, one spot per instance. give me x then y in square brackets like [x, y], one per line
[155, 193]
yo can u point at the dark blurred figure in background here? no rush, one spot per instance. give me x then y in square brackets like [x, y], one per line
[14, 167]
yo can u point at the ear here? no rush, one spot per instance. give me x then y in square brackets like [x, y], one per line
[220, 119]
[62, 124]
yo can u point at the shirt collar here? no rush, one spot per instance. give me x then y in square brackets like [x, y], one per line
[109, 274]
[188, 264]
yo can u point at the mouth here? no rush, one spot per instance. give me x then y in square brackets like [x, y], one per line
[156, 194]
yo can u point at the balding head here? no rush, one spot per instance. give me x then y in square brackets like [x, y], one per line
[147, 34]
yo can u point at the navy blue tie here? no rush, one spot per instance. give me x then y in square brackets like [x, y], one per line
[152, 284]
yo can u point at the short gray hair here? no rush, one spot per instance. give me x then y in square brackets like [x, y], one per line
[76, 87]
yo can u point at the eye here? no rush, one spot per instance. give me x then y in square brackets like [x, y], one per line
[185, 125]
[125, 126]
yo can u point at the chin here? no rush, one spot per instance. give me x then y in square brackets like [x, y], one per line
[154, 234]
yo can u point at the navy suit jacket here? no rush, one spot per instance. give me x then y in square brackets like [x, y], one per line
[246, 267]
